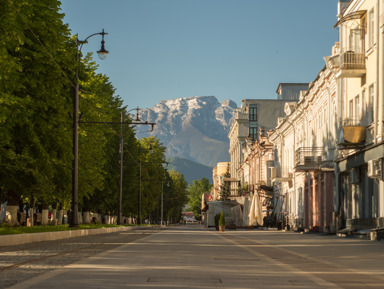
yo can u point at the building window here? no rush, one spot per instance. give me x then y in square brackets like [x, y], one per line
[370, 103]
[253, 133]
[371, 32]
[356, 40]
[351, 111]
[253, 112]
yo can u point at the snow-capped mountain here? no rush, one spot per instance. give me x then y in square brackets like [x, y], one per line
[194, 128]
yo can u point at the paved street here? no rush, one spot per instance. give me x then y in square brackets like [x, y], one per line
[191, 257]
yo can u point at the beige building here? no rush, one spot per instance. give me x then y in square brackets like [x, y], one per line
[218, 175]
[253, 115]
[358, 63]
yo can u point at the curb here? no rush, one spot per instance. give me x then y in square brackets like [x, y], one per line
[19, 239]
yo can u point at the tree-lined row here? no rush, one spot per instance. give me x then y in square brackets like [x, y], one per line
[37, 78]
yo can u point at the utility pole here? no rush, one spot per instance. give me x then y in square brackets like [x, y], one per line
[119, 217]
[162, 201]
[139, 192]
[136, 121]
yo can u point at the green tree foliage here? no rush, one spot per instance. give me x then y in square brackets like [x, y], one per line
[98, 143]
[225, 189]
[176, 197]
[37, 80]
[38, 60]
[195, 192]
[222, 219]
[36, 56]
[152, 174]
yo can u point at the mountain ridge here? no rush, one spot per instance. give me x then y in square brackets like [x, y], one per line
[194, 128]
[190, 169]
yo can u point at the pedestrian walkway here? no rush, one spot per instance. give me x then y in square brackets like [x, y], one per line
[189, 256]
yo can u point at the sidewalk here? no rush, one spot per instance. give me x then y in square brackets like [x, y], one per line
[19, 239]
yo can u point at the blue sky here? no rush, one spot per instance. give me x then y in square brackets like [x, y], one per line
[232, 49]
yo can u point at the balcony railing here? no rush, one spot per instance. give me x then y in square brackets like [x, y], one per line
[348, 64]
[308, 158]
[352, 64]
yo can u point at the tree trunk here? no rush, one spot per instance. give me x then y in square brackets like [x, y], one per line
[53, 220]
[61, 215]
[44, 214]
[86, 218]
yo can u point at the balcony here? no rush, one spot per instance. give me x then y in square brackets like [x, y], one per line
[347, 64]
[353, 135]
[281, 174]
[308, 159]
[352, 64]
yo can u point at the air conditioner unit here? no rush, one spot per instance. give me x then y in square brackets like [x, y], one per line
[354, 176]
[374, 168]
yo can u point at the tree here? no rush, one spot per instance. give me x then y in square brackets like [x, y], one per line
[225, 189]
[176, 197]
[38, 60]
[195, 192]
[36, 57]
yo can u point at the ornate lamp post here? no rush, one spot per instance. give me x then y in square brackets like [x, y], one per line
[74, 222]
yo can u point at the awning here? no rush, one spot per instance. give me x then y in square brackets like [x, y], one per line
[351, 16]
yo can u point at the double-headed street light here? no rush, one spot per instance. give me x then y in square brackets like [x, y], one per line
[74, 222]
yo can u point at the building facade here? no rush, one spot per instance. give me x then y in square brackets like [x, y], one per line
[305, 142]
[221, 171]
[260, 160]
[253, 115]
[358, 63]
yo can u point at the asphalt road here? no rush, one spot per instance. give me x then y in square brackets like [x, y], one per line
[191, 257]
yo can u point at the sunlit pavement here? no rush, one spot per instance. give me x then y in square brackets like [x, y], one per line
[188, 256]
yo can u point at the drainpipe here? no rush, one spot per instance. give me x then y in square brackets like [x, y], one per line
[378, 86]
[382, 74]
[381, 67]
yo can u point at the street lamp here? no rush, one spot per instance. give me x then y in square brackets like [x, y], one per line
[135, 121]
[74, 222]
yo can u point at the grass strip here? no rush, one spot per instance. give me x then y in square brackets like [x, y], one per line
[7, 230]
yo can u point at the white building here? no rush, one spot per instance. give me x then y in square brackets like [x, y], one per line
[305, 140]
[358, 63]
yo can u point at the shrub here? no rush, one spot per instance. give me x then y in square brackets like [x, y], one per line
[222, 220]
[217, 218]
